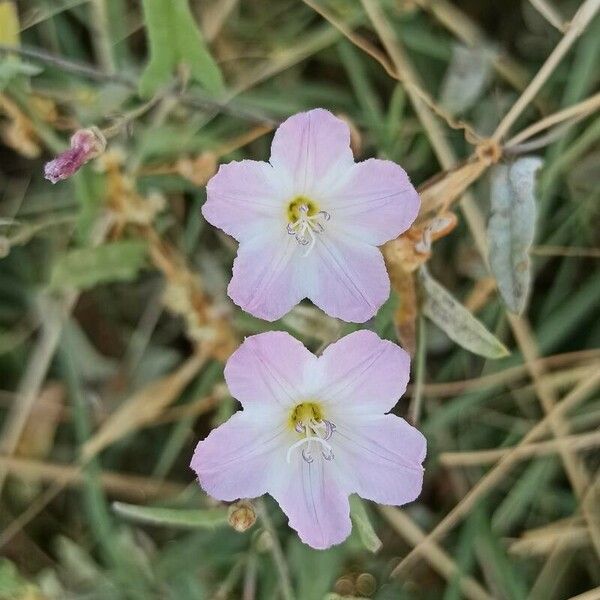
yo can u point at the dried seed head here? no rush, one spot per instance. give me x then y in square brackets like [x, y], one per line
[241, 516]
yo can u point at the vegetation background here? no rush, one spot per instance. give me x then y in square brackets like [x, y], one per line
[114, 324]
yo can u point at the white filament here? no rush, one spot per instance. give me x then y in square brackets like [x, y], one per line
[305, 228]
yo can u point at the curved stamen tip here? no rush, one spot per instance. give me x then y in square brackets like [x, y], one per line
[307, 456]
[327, 455]
[314, 431]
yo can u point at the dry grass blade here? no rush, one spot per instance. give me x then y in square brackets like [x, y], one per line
[435, 555]
[122, 485]
[144, 406]
[543, 540]
[575, 468]
[550, 13]
[453, 388]
[499, 471]
[583, 17]
[584, 441]
[583, 108]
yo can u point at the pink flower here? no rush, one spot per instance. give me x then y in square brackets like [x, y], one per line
[310, 220]
[85, 145]
[314, 430]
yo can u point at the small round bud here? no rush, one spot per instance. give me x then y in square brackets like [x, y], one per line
[241, 516]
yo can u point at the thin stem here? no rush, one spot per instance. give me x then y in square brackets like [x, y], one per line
[276, 551]
[417, 401]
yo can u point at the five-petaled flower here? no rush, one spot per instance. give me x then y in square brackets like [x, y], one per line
[309, 221]
[314, 430]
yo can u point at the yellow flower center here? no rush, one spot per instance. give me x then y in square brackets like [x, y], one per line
[304, 413]
[294, 213]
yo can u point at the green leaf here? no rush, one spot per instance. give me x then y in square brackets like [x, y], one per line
[316, 572]
[456, 321]
[86, 267]
[173, 517]
[12, 67]
[176, 41]
[360, 518]
[511, 229]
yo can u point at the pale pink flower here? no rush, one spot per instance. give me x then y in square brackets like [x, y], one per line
[309, 221]
[85, 145]
[314, 430]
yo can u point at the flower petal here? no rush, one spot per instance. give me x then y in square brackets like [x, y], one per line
[376, 203]
[381, 458]
[268, 371]
[363, 373]
[349, 278]
[245, 197]
[235, 460]
[266, 280]
[314, 501]
[314, 149]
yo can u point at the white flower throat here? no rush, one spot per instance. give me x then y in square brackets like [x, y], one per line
[307, 420]
[305, 222]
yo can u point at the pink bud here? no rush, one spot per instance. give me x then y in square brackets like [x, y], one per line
[85, 145]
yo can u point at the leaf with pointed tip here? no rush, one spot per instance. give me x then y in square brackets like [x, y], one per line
[456, 321]
[176, 41]
[511, 229]
[84, 268]
[360, 518]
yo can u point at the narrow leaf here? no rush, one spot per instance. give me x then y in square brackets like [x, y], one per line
[173, 517]
[86, 267]
[456, 321]
[360, 518]
[176, 41]
[511, 229]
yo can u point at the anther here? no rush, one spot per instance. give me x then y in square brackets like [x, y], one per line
[306, 226]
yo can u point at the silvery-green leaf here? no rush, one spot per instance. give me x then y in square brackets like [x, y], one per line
[511, 229]
[84, 268]
[173, 517]
[456, 321]
[360, 518]
[465, 79]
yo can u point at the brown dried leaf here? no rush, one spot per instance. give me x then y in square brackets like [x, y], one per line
[440, 191]
[198, 170]
[18, 132]
[405, 317]
[37, 438]
[413, 248]
[144, 406]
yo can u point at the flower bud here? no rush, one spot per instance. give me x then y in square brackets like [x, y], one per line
[241, 516]
[85, 145]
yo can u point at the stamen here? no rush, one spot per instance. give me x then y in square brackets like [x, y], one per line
[306, 226]
[311, 438]
[306, 455]
[319, 431]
